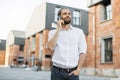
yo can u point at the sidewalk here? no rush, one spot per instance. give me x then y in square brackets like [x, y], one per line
[2, 66]
[89, 77]
[20, 74]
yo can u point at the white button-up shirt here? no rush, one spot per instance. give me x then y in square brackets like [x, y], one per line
[70, 44]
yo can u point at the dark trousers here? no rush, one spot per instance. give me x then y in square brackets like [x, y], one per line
[57, 74]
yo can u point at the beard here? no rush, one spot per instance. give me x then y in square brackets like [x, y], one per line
[67, 21]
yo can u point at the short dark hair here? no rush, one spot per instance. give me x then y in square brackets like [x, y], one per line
[59, 12]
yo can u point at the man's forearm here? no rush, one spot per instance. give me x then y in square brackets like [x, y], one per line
[81, 61]
[80, 64]
[52, 42]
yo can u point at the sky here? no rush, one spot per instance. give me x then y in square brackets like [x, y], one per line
[15, 14]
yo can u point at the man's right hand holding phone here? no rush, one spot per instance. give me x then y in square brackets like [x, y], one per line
[60, 23]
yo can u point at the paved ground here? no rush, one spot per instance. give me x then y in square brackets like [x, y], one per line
[19, 74]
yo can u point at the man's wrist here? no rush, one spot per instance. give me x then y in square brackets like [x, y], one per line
[58, 29]
[78, 69]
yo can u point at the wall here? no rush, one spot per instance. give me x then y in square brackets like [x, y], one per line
[100, 29]
[37, 20]
[14, 54]
[2, 57]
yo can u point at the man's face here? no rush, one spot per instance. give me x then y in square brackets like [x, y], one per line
[66, 16]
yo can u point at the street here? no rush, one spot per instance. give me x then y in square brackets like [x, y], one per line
[20, 74]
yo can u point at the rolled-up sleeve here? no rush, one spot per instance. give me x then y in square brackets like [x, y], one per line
[82, 46]
[50, 35]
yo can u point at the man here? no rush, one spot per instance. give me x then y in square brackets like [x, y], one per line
[69, 48]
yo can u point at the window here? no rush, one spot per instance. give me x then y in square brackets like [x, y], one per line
[28, 50]
[76, 18]
[33, 42]
[107, 10]
[47, 56]
[20, 60]
[41, 47]
[0, 41]
[107, 50]
[56, 13]
[21, 47]
[33, 59]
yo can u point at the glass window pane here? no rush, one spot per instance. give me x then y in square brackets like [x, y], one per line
[56, 13]
[76, 17]
[33, 42]
[21, 48]
[108, 49]
[107, 11]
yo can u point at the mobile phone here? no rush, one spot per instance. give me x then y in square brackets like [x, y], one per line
[59, 17]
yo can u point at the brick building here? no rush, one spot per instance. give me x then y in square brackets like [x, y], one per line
[44, 19]
[15, 48]
[104, 38]
[2, 51]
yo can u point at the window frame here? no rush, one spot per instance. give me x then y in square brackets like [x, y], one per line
[56, 13]
[107, 11]
[33, 42]
[103, 49]
[76, 18]
[21, 48]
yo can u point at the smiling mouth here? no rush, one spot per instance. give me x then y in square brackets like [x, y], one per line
[67, 18]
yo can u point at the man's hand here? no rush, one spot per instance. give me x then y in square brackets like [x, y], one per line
[75, 72]
[59, 24]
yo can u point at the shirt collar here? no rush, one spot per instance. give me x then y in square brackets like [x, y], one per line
[71, 27]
